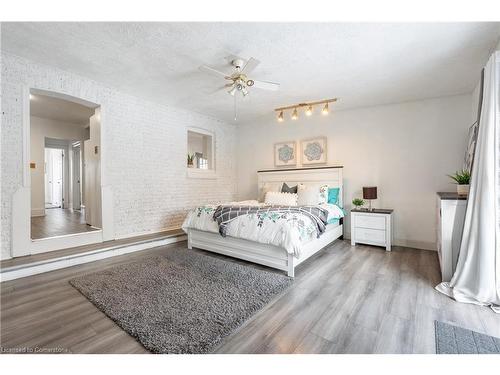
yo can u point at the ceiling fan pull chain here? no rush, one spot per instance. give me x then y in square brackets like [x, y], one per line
[235, 117]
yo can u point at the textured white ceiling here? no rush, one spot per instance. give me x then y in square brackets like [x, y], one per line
[60, 110]
[361, 63]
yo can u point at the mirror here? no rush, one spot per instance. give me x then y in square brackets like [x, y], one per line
[65, 166]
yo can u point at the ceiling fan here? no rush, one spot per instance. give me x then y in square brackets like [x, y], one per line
[239, 80]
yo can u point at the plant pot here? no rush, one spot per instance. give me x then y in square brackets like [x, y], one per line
[190, 165]
[463, 190]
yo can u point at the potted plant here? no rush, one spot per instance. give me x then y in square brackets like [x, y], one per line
[190, 159]
[358, 203]
[462, 179]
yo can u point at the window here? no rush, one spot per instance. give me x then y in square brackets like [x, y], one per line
[200, 155]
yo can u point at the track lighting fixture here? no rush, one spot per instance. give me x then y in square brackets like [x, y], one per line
[309, 109]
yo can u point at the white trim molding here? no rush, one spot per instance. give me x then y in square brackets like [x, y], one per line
[16, 272]
[37, 212]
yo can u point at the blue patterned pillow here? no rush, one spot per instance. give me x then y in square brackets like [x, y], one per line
[333, 195]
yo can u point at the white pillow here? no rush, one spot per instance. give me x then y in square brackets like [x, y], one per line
[311, 195]
[269, 186]
[281, 199]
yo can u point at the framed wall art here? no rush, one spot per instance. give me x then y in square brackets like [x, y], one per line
[285, 154]
[313, 151]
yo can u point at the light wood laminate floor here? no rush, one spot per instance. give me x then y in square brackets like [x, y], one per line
[58, 222]
[343, 300]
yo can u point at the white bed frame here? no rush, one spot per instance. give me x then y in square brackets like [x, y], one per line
[270, 255]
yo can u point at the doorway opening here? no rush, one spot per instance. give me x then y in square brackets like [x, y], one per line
[65, 167]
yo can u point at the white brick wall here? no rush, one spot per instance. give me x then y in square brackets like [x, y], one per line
[146, 151]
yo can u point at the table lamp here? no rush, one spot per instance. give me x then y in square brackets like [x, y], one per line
[369, 193]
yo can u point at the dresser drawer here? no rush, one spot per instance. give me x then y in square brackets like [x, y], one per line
[370, 235]
[369, 221]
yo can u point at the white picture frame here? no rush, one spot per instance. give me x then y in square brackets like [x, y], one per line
[285, 154]
[313, 151]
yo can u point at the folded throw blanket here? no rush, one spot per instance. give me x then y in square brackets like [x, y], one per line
[223, 215]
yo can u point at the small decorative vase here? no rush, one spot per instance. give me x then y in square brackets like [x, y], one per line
[463, 190]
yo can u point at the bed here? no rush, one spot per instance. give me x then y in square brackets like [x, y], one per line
[207, 237]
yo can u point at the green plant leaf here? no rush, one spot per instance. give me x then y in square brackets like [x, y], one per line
[461, 177]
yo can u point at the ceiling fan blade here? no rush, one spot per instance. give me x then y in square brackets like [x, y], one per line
[225, 87]
[250, 65]
[266, 85]
[209, 70]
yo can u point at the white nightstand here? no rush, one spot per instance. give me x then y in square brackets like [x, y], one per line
[372, 227]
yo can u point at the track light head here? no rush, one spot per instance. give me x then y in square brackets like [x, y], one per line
[325, 110]
[280, 117]
[309, 111]
[295, 114]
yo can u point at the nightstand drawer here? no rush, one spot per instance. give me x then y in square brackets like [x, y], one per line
[369, 221]
[370, 235]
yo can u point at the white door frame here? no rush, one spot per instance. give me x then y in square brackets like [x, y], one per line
[22, 244]
[76, 179]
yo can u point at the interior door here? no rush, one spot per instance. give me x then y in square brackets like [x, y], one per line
[48, 178]
[55, 177]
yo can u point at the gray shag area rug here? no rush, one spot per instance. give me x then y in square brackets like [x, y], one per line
[183, 301]
[451, 339]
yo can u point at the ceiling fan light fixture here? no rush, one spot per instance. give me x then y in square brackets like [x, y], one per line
[281, 118]
[250, 82]
[325, 110]
[309, 111]
[232, 91]
[295, 114]
[244, 91]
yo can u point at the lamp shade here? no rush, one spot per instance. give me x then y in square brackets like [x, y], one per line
[370, 192]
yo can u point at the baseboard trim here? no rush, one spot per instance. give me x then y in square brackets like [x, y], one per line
[145, 233]
[37, 212]
[17, 272]
[421, 245]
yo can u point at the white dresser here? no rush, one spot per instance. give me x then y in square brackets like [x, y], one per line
[450, 222]
[372, 227]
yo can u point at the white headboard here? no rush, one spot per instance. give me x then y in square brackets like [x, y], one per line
[332, 176]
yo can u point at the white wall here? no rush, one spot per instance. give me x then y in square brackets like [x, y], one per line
[41, 128]
[405, 149]
[145, 144]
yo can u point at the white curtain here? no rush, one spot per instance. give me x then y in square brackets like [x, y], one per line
[477, 276]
